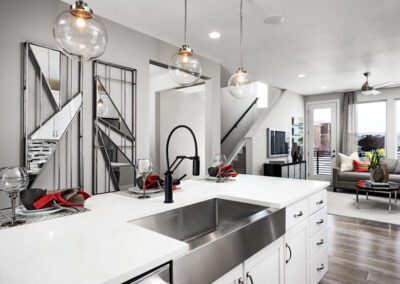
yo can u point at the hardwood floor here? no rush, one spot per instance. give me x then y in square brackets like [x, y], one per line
[362, 251]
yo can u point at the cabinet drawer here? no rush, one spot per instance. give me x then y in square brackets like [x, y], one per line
[317, 221]
[319, 266]
[296, 213]
[317, 201]
[318, 242]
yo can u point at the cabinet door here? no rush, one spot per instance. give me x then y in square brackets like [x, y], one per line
[267, 265]
[296, 260]
[235, 276]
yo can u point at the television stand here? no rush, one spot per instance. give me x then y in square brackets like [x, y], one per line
[295, 170]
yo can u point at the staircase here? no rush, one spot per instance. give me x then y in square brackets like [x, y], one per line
[239, 162]
[242, 155]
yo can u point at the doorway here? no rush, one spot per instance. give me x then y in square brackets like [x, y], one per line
[322, 139]
[175, 105]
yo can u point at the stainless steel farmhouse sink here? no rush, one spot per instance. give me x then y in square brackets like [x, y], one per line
[220, 233]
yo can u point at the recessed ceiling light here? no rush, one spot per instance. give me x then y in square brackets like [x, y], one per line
[302, 75]
[324, 87]
[274, 19]
[214, 35]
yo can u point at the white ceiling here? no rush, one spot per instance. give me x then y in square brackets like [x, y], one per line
[332, 41]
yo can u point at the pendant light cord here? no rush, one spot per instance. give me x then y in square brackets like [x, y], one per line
[241, 34]
[185, 29]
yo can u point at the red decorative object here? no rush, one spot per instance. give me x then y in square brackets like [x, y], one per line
[47, 200]
[228, 171]
[361, 166]
[361, 184]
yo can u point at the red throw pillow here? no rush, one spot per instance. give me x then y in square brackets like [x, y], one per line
[360, 166]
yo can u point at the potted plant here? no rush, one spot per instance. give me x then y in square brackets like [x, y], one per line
[377, 173]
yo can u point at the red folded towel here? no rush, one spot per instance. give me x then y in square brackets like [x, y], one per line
[63, 198]
[228, 171]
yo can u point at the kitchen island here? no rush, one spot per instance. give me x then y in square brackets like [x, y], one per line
[100, 246]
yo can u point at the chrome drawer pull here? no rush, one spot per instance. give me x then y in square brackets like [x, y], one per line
[320, 222]
[321, 242]
[320, 202]
[322, 267]
[298, 215]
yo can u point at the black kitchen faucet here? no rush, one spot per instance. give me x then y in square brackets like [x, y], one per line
[178, 160]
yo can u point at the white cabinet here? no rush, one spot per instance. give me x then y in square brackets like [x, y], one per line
[296, 260]
[266, 266]
[319, 266]
[296, 213]
[299, 257]
[235, 276]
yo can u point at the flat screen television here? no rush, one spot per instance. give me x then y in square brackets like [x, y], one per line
[277, 143]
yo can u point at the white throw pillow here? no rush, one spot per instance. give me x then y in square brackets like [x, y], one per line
[346, 162]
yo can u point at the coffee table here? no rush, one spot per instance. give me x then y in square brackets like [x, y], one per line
[363, 186]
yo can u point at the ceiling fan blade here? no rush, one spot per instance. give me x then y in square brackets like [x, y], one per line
[372, 92]
[388, 84]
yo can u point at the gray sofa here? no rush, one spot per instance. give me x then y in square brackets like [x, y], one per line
[348, 180]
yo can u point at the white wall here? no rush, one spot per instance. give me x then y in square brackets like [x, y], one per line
[231, 110]
[280, 117]
[22, 20]
[158, 82]
[179, 107]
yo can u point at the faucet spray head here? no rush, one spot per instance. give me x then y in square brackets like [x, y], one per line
[196, 165]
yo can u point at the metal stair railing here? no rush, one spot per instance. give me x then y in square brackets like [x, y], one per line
[239, 120]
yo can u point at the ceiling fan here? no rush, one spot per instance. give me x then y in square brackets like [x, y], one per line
[368, 90]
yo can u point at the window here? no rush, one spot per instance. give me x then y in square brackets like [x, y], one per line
[371, 120]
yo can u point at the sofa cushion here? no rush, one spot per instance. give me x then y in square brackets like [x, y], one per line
[346, 162]
[353, 176]
[361, 166]
[391, 163]
[397, 168]
[394, 178]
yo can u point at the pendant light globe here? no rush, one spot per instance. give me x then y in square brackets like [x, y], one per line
[240, 84]
[185, 67]
[79, 33]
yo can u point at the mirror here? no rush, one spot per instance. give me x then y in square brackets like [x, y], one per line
[49, 62]
[120, 165]
[43, 141]
[115, 127]
[108, 113]
[52, 118]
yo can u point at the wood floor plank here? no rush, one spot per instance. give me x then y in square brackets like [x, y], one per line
[362, 251]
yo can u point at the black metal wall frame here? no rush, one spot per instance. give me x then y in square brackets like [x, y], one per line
[98, 133]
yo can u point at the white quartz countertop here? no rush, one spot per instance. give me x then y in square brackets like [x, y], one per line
[100, 246]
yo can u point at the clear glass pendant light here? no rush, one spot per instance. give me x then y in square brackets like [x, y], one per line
[241, 84]
[79, 33]
[185, 67]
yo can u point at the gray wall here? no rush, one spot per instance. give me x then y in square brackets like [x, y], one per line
[22, 20]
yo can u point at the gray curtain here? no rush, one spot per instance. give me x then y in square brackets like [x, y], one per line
[349, 143]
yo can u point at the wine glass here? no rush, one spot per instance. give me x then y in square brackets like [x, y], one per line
[218, 162]
[144, 168]
[12, 181]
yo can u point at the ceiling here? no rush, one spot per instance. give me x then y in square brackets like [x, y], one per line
[331, 41]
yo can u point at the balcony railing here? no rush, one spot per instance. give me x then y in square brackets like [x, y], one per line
[322, 163]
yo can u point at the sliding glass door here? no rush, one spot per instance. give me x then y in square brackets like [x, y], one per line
[322, 123]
